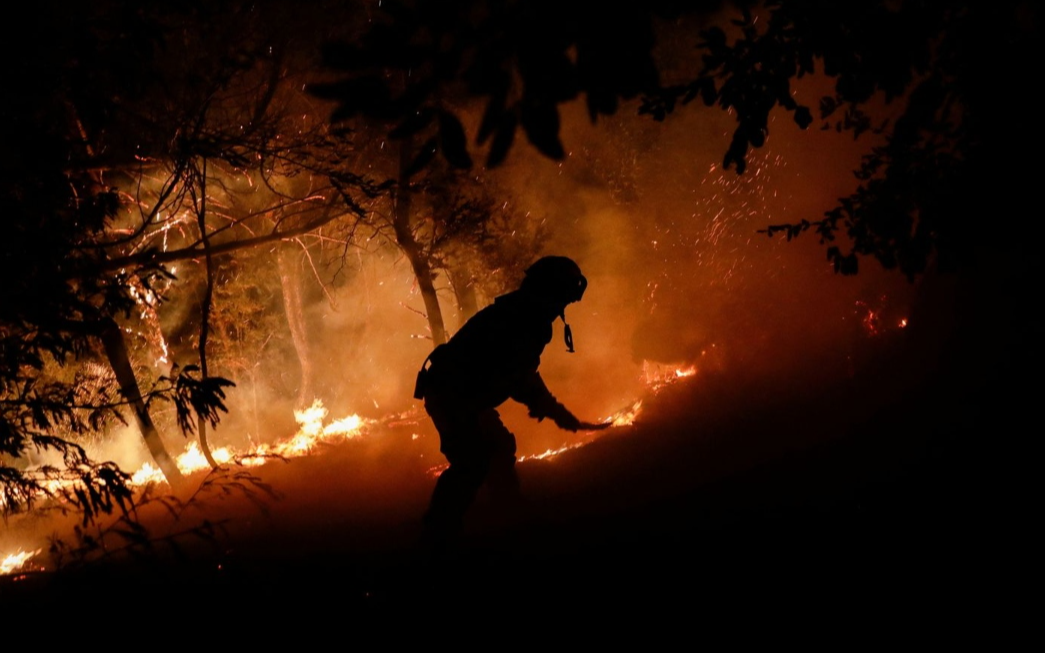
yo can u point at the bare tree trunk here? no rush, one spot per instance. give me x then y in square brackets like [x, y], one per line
[116, 350]
[208, 297]
[413, 250]
[464, 291]
[290, 281]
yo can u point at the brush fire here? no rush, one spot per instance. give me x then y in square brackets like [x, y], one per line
[341, 312]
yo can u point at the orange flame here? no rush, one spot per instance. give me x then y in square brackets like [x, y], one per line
[16, 562]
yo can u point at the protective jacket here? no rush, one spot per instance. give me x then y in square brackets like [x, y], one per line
[495, 357]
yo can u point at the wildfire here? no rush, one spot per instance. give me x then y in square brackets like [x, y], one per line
[551, 453]
[874, 318]
[627, 416]
[15, 562]
[655, 377]
[658, 375]
[189, 462]
[311, 432]
[314, 429]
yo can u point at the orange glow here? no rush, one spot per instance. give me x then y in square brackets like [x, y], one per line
[16, 562]
[627, 416]
[657, 375]
[315, 429]
[551, 453]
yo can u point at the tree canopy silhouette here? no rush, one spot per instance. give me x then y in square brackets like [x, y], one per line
[959, 74]
[125, 122]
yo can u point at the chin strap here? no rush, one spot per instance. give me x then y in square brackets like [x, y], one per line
[567, 333]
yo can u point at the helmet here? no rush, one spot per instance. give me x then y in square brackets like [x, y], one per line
[556, 277]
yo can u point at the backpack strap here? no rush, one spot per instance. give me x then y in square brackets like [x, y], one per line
[567, 333]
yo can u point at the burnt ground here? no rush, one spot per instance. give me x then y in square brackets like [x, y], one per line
[886, 498]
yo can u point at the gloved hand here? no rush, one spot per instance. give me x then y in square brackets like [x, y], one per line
[565, 420]
[558, 413]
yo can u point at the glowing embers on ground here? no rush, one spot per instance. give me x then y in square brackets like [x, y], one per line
[879, 316]
[313, 430]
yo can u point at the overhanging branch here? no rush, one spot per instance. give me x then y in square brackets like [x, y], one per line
[152, 257]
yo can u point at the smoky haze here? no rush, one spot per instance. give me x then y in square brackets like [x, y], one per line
[678, 276]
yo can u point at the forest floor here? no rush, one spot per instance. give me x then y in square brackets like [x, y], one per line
[741, 496]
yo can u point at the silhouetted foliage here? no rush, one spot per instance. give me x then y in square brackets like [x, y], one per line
[519, 60]
[923, 191]
[934, 60]
[124, 538]
[106, 93]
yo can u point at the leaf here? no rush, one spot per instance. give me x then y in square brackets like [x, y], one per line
[803, 117]
[541, 124]
[367, 95]
[601, 102]
[737, 151]
[452, 140]
[502, 141]
[424, 156]
[708, 93]
[417, 121]
[492, 116]
[757, 137]
[828, 105]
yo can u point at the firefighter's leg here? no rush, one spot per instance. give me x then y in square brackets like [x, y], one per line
[457, 486]
[454, 492]
[502, 479]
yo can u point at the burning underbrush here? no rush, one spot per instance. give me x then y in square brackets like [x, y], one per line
[349, 472]
[699, 449]
[367, 462]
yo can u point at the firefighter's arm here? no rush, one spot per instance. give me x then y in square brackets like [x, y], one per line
[536, 396]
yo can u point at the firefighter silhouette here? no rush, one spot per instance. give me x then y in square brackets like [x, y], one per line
[494, 357]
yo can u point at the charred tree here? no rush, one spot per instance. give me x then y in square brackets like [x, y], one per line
[119, 359]
[415, 253]
[463, 284]
[290, 283]
[205, 306]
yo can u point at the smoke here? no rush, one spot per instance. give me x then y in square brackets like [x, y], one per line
[679, 277]
[678, 273]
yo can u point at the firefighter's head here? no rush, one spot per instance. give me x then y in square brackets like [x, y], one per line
[556, 279]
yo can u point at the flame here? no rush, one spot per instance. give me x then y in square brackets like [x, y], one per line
[658, 375]
[314, 429]
[627, 416]
[311, 431]
[15, 562]
[551, 453]
[147, 473]
[655, 376]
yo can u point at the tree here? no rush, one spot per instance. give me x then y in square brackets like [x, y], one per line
[431, 210]
[61, 301]
[942, 94]
[945, 65]
[122, 139]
